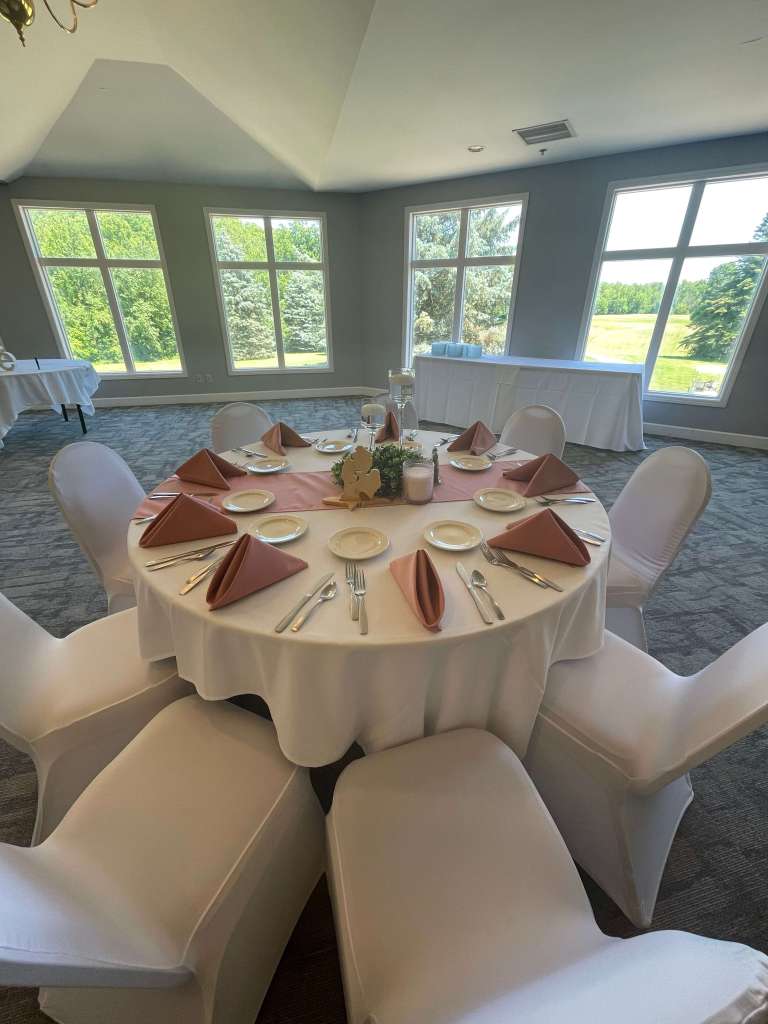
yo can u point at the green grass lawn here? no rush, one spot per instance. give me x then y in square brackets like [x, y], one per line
[292, 359]
[625, 338]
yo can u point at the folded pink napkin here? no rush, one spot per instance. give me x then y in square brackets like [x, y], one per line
[209, 469]
[185, 518]
[390, 431]
[251, 565]
[476, 439]
[281, 436]
[418, 579]
[546, 535]
[547, 473]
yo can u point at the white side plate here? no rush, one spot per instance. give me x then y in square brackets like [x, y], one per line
[497, 499]
[358, 542]
[333, 447]
[472, 463]
[272, 465]
[248, 501]
[279, 529]
[451, 535]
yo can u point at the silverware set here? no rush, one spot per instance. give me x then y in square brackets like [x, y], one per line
[349, 575]
[327, 593]
[320, 587]
[197, 577]
[249, 453]
[564, 500]
[472, 589]
[596, 539]
[193, 555]
[501, 455]
[500, 558]
[162, 495]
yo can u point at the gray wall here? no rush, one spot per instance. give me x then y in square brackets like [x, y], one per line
[366, 244]
[26, 330]
[563, 221]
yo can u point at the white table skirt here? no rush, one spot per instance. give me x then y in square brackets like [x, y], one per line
[55, 383]
[601, 404]
[327, 686]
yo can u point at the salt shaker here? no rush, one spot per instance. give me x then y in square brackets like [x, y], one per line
[436, 466]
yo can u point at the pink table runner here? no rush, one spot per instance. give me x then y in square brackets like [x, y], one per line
[304, 492]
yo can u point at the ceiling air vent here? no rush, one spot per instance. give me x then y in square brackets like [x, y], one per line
[539, 133]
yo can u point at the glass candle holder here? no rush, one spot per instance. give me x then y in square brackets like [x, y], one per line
[401, 385]
[418, 483]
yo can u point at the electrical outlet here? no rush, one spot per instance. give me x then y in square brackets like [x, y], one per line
[198, 378]
[209, 378]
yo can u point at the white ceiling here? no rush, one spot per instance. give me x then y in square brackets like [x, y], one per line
[358, 94]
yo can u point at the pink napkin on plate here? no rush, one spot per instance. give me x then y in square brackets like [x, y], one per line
[546, 535]
[476, 439]
[547, 473]
[209, 469]
[390, 431]
[281, 436]
[251, 565]
[418, 579]
[185, 518]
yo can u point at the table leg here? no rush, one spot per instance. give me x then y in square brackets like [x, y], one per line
[65, 414]
[82, 420]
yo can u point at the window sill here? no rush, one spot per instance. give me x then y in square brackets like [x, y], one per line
[659, 396]
[178, 374]
[248, 372]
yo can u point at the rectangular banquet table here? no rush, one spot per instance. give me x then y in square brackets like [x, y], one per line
[54, 383]
[601, 403]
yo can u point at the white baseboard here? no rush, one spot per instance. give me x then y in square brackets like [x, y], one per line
[235, 396]
[712, 436]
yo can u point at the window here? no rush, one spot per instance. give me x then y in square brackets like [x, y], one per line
[272, 278]
[104, 280]
[462, 270]
[680, 282]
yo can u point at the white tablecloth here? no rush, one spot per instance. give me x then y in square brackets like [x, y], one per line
[327, 686]
[55, 383]
[601, 404]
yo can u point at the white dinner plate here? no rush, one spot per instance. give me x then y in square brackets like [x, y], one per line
[270, 465]
[358, 542]
[497, 499]
[472, 463]
[279, 529]
[248, 501]
[334, 447]
[451, 535]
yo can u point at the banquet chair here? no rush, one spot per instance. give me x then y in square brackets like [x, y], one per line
[71, 705]
[168, 891]
[615, 739]
[237, 424]
[456, 902]
[98, 493]
[536, 429]
[654, 513]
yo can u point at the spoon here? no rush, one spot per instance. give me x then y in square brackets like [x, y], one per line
[326, 594]
[479, 581]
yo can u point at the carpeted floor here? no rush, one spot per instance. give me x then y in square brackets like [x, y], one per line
[716, 882]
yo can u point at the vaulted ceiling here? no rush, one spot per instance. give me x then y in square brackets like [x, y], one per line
[359, 94]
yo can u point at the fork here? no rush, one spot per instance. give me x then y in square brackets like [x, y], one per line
[495, 559]
[544, 500]
[350, 577]
[360, 595]
[502, 455]
[506, 560]
[249, 453]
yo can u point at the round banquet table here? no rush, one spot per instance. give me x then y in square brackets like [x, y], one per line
[55, 382]
[327, 686]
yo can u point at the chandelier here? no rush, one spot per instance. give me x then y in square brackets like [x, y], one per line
[21, 14]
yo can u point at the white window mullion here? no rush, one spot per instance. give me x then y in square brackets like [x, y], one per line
[458, 305]
[114, 305]
[668, 297]
[275, 293]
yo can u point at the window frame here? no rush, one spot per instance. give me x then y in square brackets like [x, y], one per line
[461, 262]
[678, 254]
[272, 266]
[104, 264]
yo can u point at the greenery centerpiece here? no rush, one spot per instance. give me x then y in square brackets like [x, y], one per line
[389, 459]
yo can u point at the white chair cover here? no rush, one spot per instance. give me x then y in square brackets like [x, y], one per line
[656, 510]
[456, 902]
[613, 744]
[237, 424]
[536, 429]
[97, 493]
[73, 704]
[170, 888]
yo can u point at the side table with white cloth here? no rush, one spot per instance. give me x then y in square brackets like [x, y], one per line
[328, 686]
[601, 403]
[55, 383]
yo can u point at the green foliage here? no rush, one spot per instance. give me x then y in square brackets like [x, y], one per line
[389, 459]
[718, 316]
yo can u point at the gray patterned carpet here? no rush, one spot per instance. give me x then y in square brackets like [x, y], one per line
[716, 881]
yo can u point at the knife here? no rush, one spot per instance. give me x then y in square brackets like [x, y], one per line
[464, 577]
[200, 575]
[286, 621]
